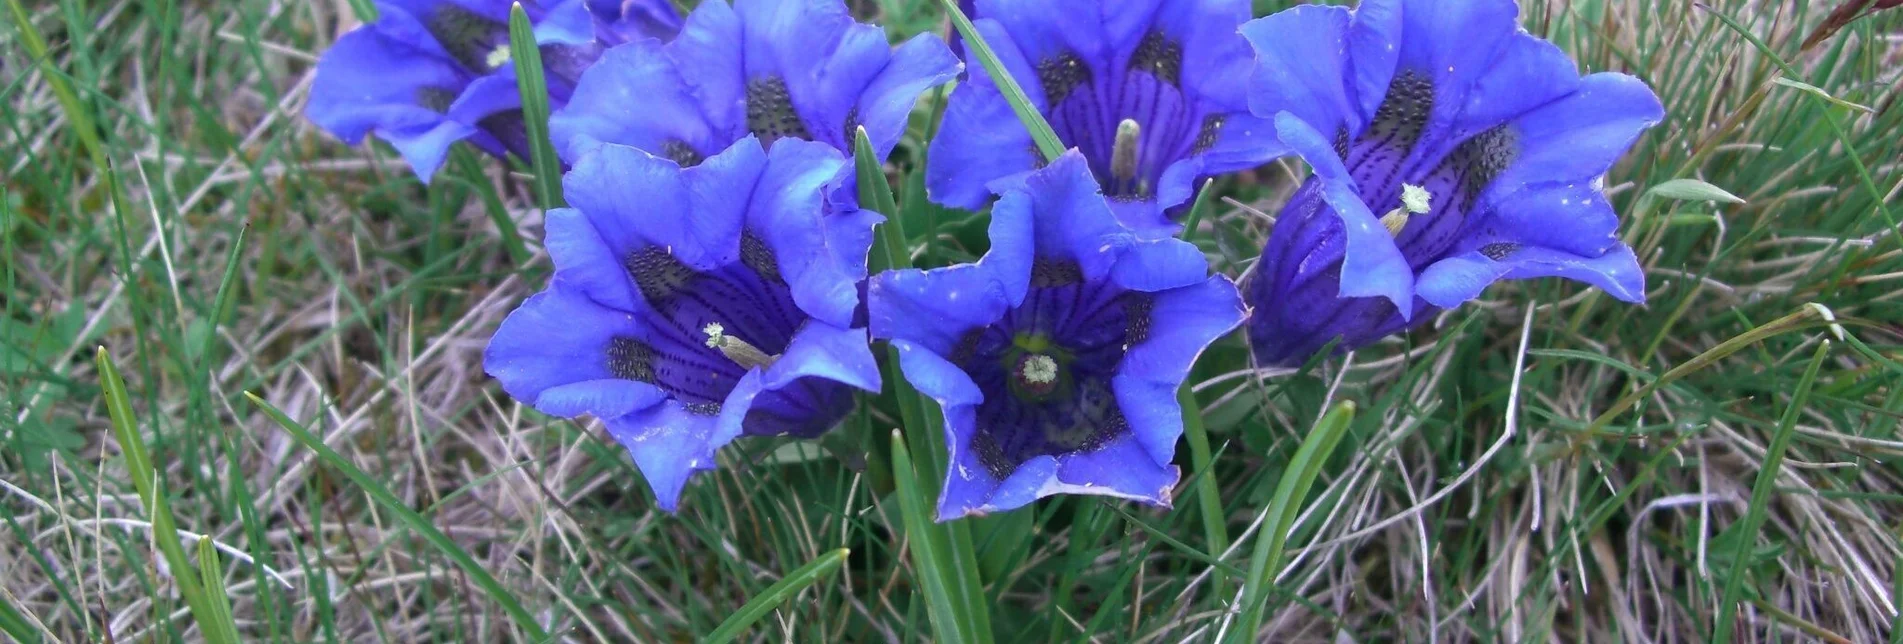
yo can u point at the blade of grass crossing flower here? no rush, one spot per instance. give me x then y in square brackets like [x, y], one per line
[145, 479]
[779, 593]
[529, 79]
[948, 622]
[924, 428]
[1761, 490]
[501, 595]
[1041, 132]
[1284, 507]
[220, 627]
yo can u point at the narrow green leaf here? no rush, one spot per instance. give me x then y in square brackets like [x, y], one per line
[221, 305]
[1820, 93]
[779, 593]
[876, 195]
[466, 164]
[1746, 530]
[145, 479]
[927, 561]
[530, 80]
[221, 628]
[498, 593]
[1692, 190]
[1208, 490]
[14, 622]
[1266, 562]
[1041, 132]
[365, 10]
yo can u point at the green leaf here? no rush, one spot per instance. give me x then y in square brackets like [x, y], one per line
[1820, 93]
[502, 596]
[1282, 511]
[929, 563]
[221, 628]
[1761, 491]
[146, 480]
[1692, 190]
[779, 593]
[531, 81]
[1041, 132]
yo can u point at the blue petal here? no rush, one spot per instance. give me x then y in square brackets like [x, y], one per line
[1156, 265]
[1120, 468]
[1373, 266]
[370, 80]
[1577, 139]
[1373, 52]
[1459, 278]
[567, 22]
[1301, 61]
[1046, 28]
[1070, 218]
[553, 353]
[1454, 44]
[586, 263]
[786, 211]
[711, 63]
[669, 444]
[935, 308]
[1575, 218]
[632, 96]
[885, 105]
[1183, 322]
[635, 200]
[619, 21]
[825, 58]
[819, 351]
[1529, 73]
[981, 138]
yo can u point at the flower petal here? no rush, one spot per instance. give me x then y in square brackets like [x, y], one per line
[981, 138]
[820, 359]
[1451, 281]
[633, 96]
[553, 353]
[785, 212]
[1372, 265]
[884, 105]
[1301, 66]
[1070, 218]
[1577, 139]
[669, 443]
[374, 78]
[1183, 322]
[636, 200]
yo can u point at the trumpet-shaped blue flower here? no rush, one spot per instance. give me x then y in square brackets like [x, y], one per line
[1151, 91]
[429, 73]
[692, 306]
[1450, 150]
[1057, 356]
[774, 69]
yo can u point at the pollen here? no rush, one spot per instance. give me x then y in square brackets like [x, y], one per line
[715, 334]
[1415, 200]
[498, 57]
[1039, 370]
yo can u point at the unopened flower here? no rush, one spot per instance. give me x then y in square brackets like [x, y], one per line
[1056, 357]
[693, 306]
[1151, 91]
[1450, 150]
[773, 69]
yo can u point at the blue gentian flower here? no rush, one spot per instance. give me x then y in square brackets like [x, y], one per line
[429, 73]
[620, 21]
[1057, 356]
[1450, 150]
[774, 69]
[1151, 91]
[692, 306]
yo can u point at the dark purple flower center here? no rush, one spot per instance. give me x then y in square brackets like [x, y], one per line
[770, 112]
[1129, 115]
[751, 303]
[1046, 367]
[1397, 149]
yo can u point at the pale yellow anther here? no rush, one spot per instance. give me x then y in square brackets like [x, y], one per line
[736, 349]
[1414, 200]
[498, 56]
[1039, 370]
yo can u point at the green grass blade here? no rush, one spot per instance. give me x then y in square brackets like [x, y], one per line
[530, 79]
[1284, 508]
[465, 164]
[948, 622]
[779, 593]
[1041, 132]
[501, 595]
[876, 195]
[145, 478]
[1761, 491]
[220, 628]
[1208, 491]
[14, 622]
[221, 305]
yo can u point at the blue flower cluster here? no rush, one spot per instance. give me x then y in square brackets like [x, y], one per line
[710, 279]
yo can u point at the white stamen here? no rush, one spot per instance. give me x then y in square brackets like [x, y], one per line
[1123, 154]
[1039, 370]
[736, 349]
[714, 331]
[498, 56]
[1414, 200]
